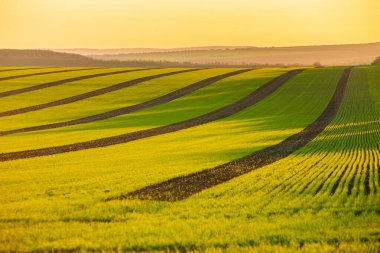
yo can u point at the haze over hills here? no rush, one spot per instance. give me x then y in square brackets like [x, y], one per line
[111, 51]
[350, 54]
[36, 57]
[329, 55]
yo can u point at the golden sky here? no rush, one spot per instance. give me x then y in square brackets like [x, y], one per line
[182, 23]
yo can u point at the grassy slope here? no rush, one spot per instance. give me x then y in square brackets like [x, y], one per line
[113, 100]
[68, 89]
[69, 213]
[293, 199]
[197, 103]
[5, 87]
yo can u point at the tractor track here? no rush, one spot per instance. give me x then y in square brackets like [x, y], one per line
[93, 93]
[182, 187]
[129, 109]
[63, 81]
[251, 99]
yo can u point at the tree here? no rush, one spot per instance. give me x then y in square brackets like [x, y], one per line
[376, 61]
[317, 65]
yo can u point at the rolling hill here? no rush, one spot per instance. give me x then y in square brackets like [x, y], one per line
[355, 54]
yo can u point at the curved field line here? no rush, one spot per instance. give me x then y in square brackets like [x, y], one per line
[43, 73]
[93, 93]
[129, 109]
[251, 99]
[6, 70]
[59, 82]
[185, 186]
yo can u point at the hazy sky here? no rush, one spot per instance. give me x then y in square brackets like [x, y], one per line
[179, 23]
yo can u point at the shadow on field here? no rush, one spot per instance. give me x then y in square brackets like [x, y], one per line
[183, 187]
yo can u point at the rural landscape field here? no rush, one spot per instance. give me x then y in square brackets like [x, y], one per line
[105, 152]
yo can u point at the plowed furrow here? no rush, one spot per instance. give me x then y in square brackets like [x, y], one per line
[56, 83]
[185, 186]
[89, 94]
[129, 109]
[226, 111]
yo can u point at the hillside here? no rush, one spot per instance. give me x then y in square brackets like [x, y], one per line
[356, 54]
[92, 51]
[16, 57]
[223, 56]
[190, 160]
[13, 57]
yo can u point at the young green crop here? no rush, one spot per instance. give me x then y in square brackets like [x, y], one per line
[57, 202]
[68, 89]
[22, 82]
[202, 101]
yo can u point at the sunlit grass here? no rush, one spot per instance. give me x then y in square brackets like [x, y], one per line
[57, 202]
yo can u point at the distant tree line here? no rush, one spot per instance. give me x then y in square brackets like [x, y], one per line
[376, 61]
[12, 57]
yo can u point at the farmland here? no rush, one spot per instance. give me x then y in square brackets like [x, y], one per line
[102, 159]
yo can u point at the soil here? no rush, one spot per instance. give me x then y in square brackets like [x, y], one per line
[129, 109]
[180, 188]
[88, 94]
[251, 99]
[55, 83]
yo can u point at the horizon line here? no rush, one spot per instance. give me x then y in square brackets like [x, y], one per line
[189, 47]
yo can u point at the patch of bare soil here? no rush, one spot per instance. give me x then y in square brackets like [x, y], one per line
[185, 186]
[251, 99]
[129, 109]
[55, 83]
[89, 94]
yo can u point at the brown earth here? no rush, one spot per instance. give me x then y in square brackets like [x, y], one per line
[185, 186]
[129, 109]
[89, 94]
[56, 83]
[251, 99]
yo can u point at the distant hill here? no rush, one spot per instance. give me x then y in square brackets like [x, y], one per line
[355, 54]
[13, 57]
[223, 56]
[16, 57]
[113, 51]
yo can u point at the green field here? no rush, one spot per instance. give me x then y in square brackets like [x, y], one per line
[321, 197]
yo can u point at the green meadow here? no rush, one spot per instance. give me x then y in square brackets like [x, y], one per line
[323, 197]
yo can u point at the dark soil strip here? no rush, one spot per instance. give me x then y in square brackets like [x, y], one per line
[68, 80]
[350, 185]
[185, 186]
[305, 169]
[226, 111]
[129, 109]
[90, 94]
[43, 73]
[367, 188]
[324, 181]
[309, 176]
[336, 184]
